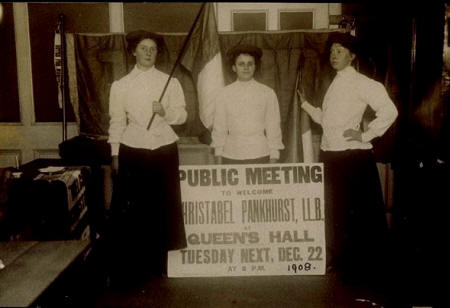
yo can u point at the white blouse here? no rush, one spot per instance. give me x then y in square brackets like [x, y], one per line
[343, 107]
[247, 122]
[130, 110]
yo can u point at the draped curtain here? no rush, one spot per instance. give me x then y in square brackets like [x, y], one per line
[95, 61]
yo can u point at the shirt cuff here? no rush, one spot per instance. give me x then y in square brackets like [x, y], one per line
[314, 112]
[367, 136]
[274, 154]
[306, 106]
[115, 149]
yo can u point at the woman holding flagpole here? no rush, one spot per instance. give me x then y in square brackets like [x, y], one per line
[146, 213]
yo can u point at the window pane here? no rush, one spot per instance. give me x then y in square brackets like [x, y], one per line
[296, 20]
[43, 18]
[9, 93]
[159, 16]
[255, 21]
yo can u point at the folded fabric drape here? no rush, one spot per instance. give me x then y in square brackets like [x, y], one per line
[99, 59]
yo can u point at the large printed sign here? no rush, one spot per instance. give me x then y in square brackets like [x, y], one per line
[246, 220]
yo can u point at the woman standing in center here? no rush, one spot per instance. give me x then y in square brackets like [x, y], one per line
[246, 128]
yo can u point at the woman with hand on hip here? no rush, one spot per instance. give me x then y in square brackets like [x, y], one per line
[356, 226]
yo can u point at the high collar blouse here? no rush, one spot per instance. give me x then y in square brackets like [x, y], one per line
[130, 110]
[247, 122]
[343, 108]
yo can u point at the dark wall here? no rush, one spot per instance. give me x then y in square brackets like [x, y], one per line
[43, 19]
[386, 32]
[420, 160]
[9, 93]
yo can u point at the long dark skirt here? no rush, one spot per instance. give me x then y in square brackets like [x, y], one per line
[356, 226]
[146, 213]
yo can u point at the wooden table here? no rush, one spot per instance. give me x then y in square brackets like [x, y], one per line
[31, 267]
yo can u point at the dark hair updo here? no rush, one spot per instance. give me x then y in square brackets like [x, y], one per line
[135, 37]
[251, 50]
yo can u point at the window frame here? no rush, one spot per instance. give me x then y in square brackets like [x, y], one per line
[312, 10]
[250, 11]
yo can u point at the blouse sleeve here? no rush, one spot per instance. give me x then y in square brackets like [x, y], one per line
[273, 126]
[118, 118]
[378, 99]
[314, 112]
[174, 103]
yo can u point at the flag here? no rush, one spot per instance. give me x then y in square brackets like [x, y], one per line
[58, 62]
[203, 59]
[299, 139]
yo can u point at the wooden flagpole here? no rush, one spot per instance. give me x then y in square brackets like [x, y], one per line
[180, 55]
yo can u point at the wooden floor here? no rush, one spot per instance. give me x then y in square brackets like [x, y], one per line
[84, 282]
[31, 267]
[86, 287]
